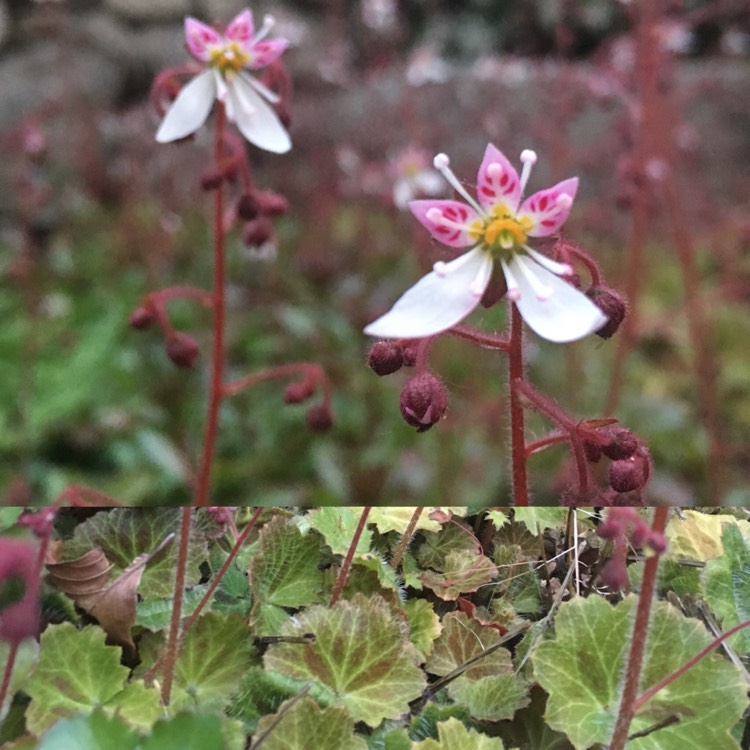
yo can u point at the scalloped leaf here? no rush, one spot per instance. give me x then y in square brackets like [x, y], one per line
[194, 731]
[125, 533]
[216, 652]
[726, 586]
[337, 527]
[78, 673]
[464, 572]
[283, 574]
[537, 520]
[452, 734]
[424, 625]
[454, 537]
[581, 670]
[361, 655]
[306, 725]
[397, 519]
[94, 732]
[697, 536]
[155, 614]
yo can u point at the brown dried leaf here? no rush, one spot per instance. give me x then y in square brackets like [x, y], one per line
[83, 579]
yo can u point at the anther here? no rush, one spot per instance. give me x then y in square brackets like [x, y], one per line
[528, 156]
[441, 162]
[495, 170]
[564, 201]
[440, 269]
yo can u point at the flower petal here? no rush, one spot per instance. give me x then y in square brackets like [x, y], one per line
[453, 229]
[254, 118]
[496, 186]
[200, 38]
[565, 315]
[241, 30]
[437, 301]
[266, 52]
[548, 209]
[189, 110]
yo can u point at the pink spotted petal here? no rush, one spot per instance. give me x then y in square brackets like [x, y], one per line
[494, 189]
[267, 52]
[200, 38]
[457, 213]
[544, 210]
[241, 30]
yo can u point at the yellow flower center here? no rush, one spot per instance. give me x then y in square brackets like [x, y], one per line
[504, 233]
[229, 58]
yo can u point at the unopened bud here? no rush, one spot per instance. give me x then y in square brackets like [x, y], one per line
[385, 357]
[182, 349]
[612, 304]
[319, 417]
[495, 290]
[424, 401]
[409, 353]
[247, 206]
[615, 572]
[258, 231]
[628, 474]
[211, 179]
[622, 445]
[271, 203]
[592, 450]
[141, 318]
[296, 393]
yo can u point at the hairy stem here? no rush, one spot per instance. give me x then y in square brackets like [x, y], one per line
[13, 651]
[347, 564]
[216, 393]
[407, 535]
[518, 441]
[638, 639]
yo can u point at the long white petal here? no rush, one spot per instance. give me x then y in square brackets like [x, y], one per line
[566, 315]
[261, 88]
[189, 110]
[255, 119]
[437, 301]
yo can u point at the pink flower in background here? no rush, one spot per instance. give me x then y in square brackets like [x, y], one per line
[228, 57]
[413, 175]
[19, 591]
[494, 228]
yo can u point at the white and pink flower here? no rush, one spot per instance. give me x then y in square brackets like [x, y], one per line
[228, 57]
[494, 228]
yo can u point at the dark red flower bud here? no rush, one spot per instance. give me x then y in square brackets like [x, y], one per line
[385, 357]
[141, 318]
[424, 401]
[182, 349]
[247, 206]
[592, 450]
[296, 393]
[615, 572]
[319, 417]
[19, 591]
[657, 542]
[409, 353]
[211, 179]
[612, 304]
[628, 474]
[623, 444]
[271, 203]
[40, 523]
[258, 231]
[495, 290]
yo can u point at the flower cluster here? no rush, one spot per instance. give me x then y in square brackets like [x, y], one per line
[494, 229]
[227, 58]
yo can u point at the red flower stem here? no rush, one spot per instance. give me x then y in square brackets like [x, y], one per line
[309, 369]
[593, 268]
[479, 337]
[222, 570]
[652, 691]
[347, 564]
[8, 671]
[216, 392]
[517, 439]
[537, 445]
[638, 639]
[170, 655]
[405, 538]
[182, 292]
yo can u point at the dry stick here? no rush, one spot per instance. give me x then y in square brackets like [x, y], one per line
[518, 440]
[405, 538]
[280, 715]
[638, 640]
[344, 572]
[170, 655]
[217, 359]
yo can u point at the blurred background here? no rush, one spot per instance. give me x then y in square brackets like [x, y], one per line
[94, 215]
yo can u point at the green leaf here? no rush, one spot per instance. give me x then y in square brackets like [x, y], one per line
[397, 519]
[527, 730]
[697, 536]
[581, 669]
[305, 725]
[424, 625]
[454, 537]
[537, 520]
[490, 698]
[283, 574]
[497, 518]
[464, 572]
[125, 533]
[452, 734]
[93, 732]
[27, 656]
[155, 614]
[726, 586]
[216, 652]
[77, 673]
[361, 654]
[190, 731]
[337, 527]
